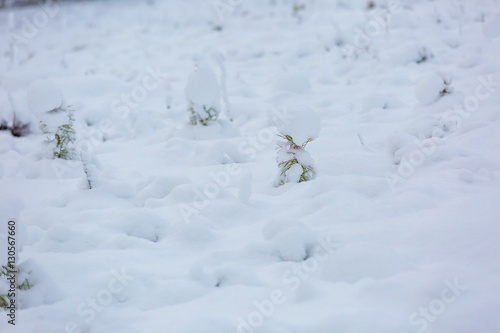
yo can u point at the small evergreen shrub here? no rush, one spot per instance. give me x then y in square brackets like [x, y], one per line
[62, 139]
[4, 273]
[297, 129]
[294, 162]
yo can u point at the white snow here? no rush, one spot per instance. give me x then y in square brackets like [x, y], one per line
[302, 124]
[293, 83]
[6, 112]
[428, 89]
[293, 174]
[43, 96]
[303, 157]
[491, 26]
[374, 101]
[245, 191]
[183, 230]
[203, 88]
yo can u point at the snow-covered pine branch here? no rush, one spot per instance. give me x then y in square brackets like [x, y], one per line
[294, 162]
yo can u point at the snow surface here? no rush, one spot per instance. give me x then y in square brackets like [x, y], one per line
[183, 230]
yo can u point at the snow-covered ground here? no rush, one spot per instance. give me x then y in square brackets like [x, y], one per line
[184, 230]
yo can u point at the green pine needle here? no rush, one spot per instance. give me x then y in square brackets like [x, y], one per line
[211, 115]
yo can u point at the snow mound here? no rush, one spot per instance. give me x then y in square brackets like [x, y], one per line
[144, 225]
[224, 274]
[158, 188]
[44, 289]
[429, 89]
[293, 241]
[358, 261]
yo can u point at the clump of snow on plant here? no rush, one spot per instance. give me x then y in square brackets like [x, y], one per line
[55, 120]
[203, 93]
[46, 103]
[302, 125]
[431, 88]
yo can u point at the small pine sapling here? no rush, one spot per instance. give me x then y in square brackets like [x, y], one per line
[294, 162]
[6, 271]
[62, 139]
